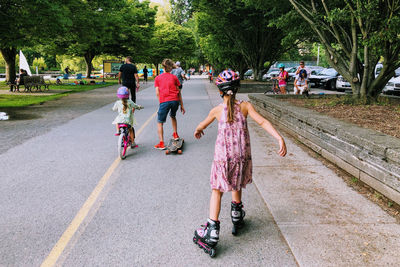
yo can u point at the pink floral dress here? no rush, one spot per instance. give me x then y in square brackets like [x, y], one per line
[232, 166]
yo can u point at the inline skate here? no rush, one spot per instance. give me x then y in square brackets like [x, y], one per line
[207, 237]
[237, 215]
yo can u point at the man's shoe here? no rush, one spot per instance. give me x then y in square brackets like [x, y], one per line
[160, 146]
[175, 136]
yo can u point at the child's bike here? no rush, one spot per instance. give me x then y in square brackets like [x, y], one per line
[124, 140]
[275, 88]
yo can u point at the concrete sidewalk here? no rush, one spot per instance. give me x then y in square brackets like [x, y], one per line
[324, 221]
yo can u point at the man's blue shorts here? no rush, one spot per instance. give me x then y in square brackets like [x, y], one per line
[166, 107]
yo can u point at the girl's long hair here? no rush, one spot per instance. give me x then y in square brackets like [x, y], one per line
[125, 103]
[231, 108]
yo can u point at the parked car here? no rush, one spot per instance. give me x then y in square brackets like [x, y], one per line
[342, 84]
[316, 69]
[392, 87]
[378, 69]
[326, 79]
[249, 74]
[272, 72]
[292, 73]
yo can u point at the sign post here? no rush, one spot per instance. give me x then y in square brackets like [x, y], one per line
[111, 67]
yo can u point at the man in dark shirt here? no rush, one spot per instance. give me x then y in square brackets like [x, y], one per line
[130, 78]
[145, 73]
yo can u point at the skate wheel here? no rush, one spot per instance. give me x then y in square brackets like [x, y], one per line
[234, 230]
[179, 151]
[166, 152]
[212, 253]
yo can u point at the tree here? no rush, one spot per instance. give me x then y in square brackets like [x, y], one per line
[170, 41]
[107, 27]
[181, 11]
[247, 28]
[27, 23]
[219, 52]
[356, 35]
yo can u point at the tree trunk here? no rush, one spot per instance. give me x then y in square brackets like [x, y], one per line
[242, 69]
[256, 73]
[9, 55]
[89, 65]
[157, 71]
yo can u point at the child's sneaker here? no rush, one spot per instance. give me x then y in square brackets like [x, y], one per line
[160, 146]
[117, 133]
[175, 136]
[133, 145]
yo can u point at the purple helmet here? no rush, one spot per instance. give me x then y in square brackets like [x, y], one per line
[123, 92]
[228, 80]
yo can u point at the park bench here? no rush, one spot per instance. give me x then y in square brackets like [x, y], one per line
[31, 82]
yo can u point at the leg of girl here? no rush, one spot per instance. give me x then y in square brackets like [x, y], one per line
[237, 212]
[208, 235]
[133, 144]
[215, 204]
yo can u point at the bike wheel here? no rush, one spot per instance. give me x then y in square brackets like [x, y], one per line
[122, 145]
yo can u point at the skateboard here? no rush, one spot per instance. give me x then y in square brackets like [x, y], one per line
[175, 146]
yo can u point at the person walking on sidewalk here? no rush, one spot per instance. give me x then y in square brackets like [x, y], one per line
[128, 73]
[145, 73]
[232, 166]
[179, 73]
[170, 98]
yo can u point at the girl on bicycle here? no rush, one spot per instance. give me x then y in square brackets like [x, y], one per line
[125, 108]
[232, 166]
[283, 78]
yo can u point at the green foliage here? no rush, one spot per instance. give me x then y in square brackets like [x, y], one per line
[27, 23]
[170, 41]
[39, 63]
[117, 28]
[241, 28]
[356, 35]
[182, 11]
[163, 14]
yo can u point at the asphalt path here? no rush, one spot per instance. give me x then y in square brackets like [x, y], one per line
[65, 198]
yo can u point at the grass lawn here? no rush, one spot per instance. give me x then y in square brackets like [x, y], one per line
[8, 101]
[15, 100]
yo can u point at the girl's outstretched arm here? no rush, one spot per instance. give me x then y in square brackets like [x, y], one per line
[267, 126]
[202, 125]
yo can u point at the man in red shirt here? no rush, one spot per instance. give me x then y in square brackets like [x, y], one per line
[170, 97]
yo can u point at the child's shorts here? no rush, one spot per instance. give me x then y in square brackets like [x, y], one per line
[301, 89]
[165, 108]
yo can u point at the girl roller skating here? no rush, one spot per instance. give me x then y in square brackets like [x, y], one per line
[232, 166]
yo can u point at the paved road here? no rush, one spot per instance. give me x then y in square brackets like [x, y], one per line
[145, 211]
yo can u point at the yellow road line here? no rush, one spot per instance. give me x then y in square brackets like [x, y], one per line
[83, 212]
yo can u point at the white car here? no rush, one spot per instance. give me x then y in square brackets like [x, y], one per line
[392, 87]
[342, 84]
[272, 72]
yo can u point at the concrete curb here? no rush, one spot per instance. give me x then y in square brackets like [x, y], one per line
[370, 156]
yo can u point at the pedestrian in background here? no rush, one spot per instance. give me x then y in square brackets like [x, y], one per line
[145, 73]
[231, 170]
[179, 73]
[128, 73]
